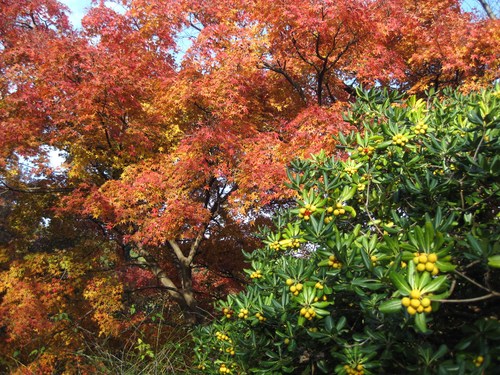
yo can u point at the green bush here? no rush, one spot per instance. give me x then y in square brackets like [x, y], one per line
[388, 262]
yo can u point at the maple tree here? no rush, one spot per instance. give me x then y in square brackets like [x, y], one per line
[168, 164]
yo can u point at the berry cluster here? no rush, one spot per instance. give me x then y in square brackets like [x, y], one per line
[332, 261]
[478, 361]
[275, 246]
[227, 312]
[366, 151]
[261, 317]
[350, 170]
[355, 370]
[223, 337]
[296, 288]
[243, 314]
[426, 262]
[256, 275]
[224, 370]
[306, 211]
[400, 139]
[308, 313]
[416, 303]
[420, 128]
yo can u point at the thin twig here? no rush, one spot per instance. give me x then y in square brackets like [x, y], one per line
[486, 296]
[474, 282]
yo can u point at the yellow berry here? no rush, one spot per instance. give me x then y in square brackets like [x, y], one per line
[411, 310]
[293, 289]
[415, 293]
[428, 309]
[429, 266]
[435, 271]
[425, 302]
[289, 282]
[432, 258]
[421, 267]
[299, 287]
[414, 302]
[405, 301]
[422, 258]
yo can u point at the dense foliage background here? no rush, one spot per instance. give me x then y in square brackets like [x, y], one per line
[388, 262]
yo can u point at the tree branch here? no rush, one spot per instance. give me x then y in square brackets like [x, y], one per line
[281, 71]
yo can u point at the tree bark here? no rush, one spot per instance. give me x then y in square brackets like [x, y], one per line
[487, 9]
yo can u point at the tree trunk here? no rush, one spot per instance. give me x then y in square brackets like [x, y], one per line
[487, 9]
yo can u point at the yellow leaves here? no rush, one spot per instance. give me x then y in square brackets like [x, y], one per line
[173, 133]
[105, 296]
[4, 255]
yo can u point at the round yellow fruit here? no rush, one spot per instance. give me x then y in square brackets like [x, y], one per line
[425, 302]
[405, 301]
[432, 258]
[415, 293]
[422, 258]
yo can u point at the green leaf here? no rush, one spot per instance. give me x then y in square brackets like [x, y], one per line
[366, 259]
[435, 284]
[390, 307]
[494, 261]
[420, 322]
[475, 245]
[341, 323]
[328, 323]
[429, 235]
[412, 274]
[400, 283]
[321, 305]
[383, 145]
[445, 266]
